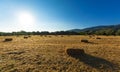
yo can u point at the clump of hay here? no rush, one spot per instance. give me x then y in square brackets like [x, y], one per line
[45, 35]
[26, 37]
[16, 52]
[29, 36]
[41, 35]
[49, 36]
[75, 52]
[17, 35]
[90, 36]
[8, 39]
[85, 41]
[55, 35]
[98, 38]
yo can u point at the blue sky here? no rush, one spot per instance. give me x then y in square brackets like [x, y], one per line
[54, 15]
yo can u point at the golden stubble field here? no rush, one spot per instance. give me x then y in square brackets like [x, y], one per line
[47, 54]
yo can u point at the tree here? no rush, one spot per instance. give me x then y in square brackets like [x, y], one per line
[118, 32]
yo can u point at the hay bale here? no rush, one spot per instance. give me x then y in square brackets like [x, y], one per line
[49, 36]
[25, 37]
[29, 36]
[75, 52]
[41, 35]
[8, 39]
[68, 35]
[17, 35]
[90, 36]
[84, 40]
[56, 35]
[98, 38]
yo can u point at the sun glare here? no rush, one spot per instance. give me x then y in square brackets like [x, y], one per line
[26, 18]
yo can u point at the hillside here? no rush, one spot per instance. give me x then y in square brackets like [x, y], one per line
[97, 28]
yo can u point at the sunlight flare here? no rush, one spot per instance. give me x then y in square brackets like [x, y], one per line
[26, 18]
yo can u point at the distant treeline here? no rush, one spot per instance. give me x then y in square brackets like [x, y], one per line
[38, 33]
[98, 32]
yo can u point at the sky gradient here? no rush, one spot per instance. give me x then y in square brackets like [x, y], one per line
[56, 15]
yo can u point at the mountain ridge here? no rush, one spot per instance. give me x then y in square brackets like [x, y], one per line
[95, 28]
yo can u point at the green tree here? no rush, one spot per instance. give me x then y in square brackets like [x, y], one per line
[118, 32]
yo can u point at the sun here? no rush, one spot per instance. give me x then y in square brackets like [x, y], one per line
[26, 18]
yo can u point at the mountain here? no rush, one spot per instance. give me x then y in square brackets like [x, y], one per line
[97, 28]
[74, 30]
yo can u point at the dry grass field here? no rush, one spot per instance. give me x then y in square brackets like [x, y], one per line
[48, 54]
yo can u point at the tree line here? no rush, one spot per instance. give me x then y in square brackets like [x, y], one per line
[38, 33]
[89, 32]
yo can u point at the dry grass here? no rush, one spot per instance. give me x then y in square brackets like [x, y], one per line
[47, 54]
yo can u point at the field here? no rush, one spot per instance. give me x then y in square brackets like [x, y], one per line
[48, 54]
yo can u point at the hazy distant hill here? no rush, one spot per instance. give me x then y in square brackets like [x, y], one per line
[96, 28]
